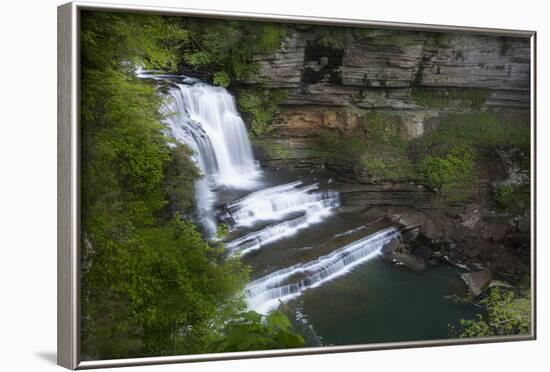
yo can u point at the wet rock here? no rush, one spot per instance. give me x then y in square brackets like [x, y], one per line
[461, 233]
[524, 224]
[392, 246]
[432, 262]
[478, 281]
[423, 252]
[517, 239]
[471, 216]
[453, 260]
[494, 231]
[486, 251]
[408, 260]
[407, 196]
[504, 262]
[471, 251]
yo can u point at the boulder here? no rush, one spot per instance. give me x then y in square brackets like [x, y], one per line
[423, 252]
[524, 224]
[408, 260]
[477, 281]
[391, 246]
[471, 250]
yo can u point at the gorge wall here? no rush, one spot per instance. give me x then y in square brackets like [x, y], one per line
[410, 79]
[397, 87]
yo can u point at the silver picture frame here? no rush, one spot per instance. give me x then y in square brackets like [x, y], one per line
[68, 183]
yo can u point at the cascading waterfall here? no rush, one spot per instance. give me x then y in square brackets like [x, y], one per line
[293, 235]
[274, 204]
[270, 234]
[206, 118]
[265, 293]
[277, 202]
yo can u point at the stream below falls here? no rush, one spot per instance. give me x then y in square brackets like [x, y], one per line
[317, 262]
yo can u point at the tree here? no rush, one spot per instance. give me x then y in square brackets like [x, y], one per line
[150, 284]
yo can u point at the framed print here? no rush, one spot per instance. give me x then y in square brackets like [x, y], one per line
[248, 185]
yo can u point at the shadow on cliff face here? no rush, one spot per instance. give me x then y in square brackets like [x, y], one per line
[322, 63]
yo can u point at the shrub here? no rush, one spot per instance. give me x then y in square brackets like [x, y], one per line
[222, 231]
[448, 172]
[513, 198]
[253, 331]
[508, 313]
[222, 79]
[261, 104]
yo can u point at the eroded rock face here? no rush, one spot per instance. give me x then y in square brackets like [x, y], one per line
[381, 70]
[397, 75]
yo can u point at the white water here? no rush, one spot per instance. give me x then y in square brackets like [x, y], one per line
[205, 118]
[264, 294]
[257, 239]
[275, 203]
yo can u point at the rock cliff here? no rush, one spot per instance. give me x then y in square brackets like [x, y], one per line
[417, 77]
[403, 85]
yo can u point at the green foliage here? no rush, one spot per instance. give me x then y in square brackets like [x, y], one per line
[273, 148]
[478, 130]
[107, 40]
[222, 231]
[222, 79]
[277, 151]
[180, 174]
[345, 145]
[440, 39]
[399, 39]
[226, 47]
[169, 285]
[513, 198]
[150, 284]
[261, 104]
[450, 172]
[447, 97]
[384, 129]
[336, 37]
[332, 37]
[388, 168]
[508, 313]
[448, 154]
[376, 145]
[253, 331]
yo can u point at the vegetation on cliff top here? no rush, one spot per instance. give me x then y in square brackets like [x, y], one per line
[226, 47]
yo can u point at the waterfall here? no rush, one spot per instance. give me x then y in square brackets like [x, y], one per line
[272, 233]
[275, 203]
[264, 294]
[206, 119]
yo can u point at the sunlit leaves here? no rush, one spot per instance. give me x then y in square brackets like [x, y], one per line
[253, 331]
